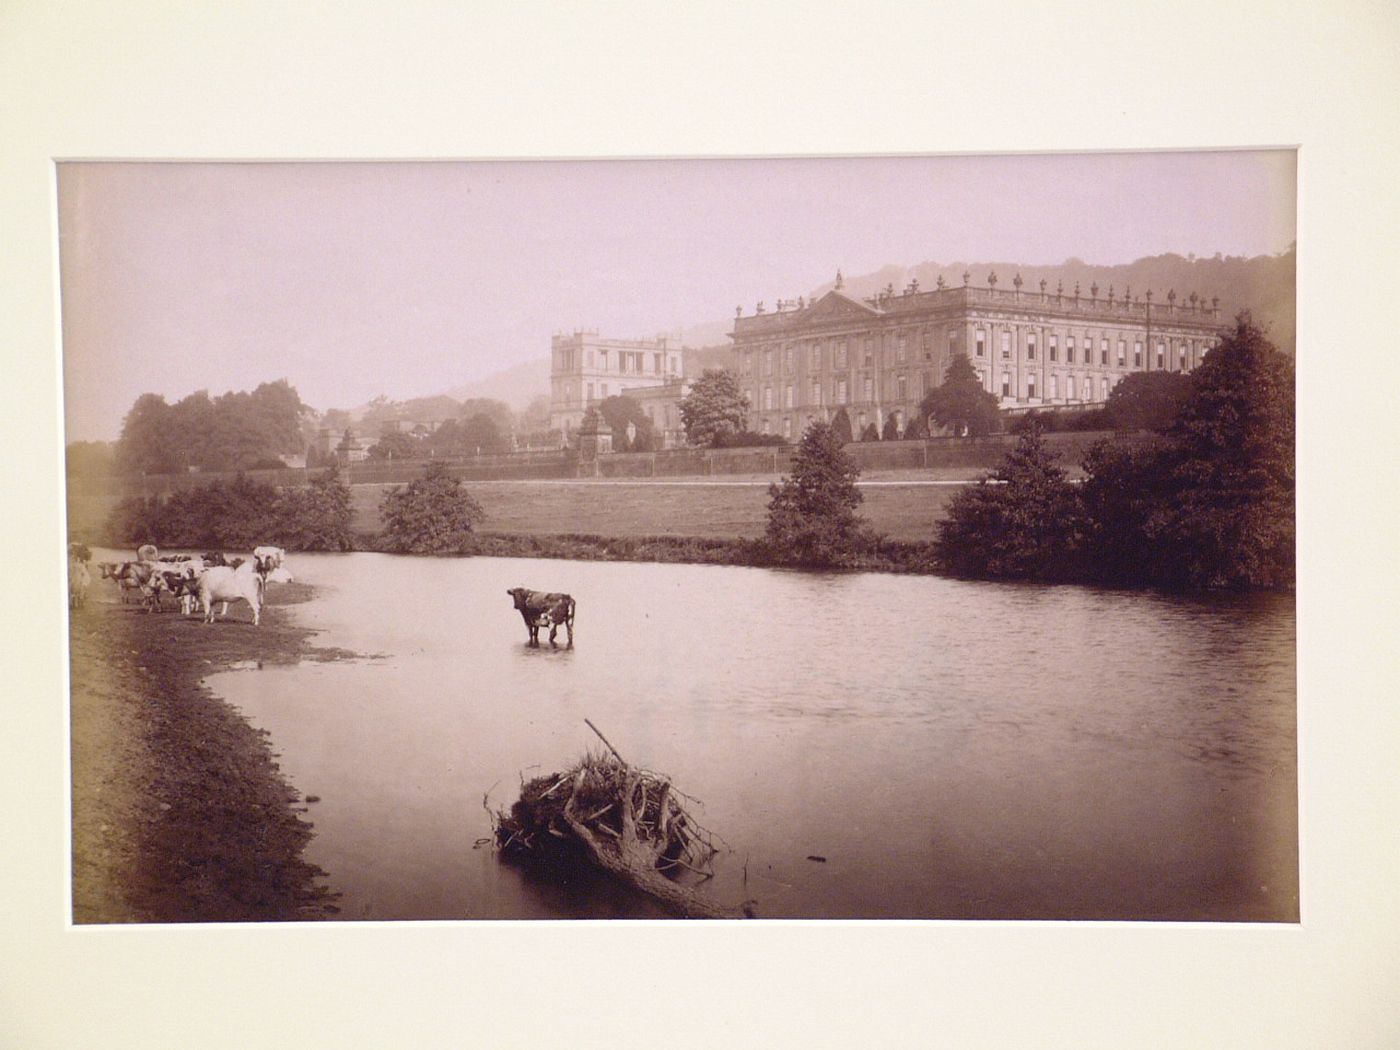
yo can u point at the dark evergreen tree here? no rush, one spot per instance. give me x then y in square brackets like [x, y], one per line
[841, 426]
[960, 404]
[812, 518]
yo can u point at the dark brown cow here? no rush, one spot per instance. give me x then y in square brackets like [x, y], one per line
[538, 608]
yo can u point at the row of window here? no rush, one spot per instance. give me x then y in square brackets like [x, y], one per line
[896, 346]
[1078, 388]
[624, 362]
[1183, 350]
[898, 390]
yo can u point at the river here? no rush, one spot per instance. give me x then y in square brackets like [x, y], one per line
[949, 750]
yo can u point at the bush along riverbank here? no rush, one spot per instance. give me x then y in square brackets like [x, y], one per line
[180, 812]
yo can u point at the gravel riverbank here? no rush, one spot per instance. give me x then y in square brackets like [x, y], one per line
[179, 810]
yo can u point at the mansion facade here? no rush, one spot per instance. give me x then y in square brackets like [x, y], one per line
[877, 357]
[586, 369]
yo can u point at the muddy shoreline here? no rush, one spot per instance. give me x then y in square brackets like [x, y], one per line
[180, 812]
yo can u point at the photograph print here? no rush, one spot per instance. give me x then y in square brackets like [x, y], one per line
[857, 537]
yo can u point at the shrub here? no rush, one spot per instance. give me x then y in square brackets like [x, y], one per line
[431, 515]
[1023, 521]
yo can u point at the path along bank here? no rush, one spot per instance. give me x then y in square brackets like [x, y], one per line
[180, 813]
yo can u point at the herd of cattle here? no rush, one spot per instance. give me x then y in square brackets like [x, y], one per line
[200, 581]
[195, 582]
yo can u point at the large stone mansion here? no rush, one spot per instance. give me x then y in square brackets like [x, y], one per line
[877, 357]
[586, 369]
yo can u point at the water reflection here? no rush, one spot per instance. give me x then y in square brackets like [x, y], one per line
[952, 749]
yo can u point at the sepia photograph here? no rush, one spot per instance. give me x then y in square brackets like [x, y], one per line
[778, 538]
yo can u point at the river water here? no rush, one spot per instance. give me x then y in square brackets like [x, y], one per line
[950, 750]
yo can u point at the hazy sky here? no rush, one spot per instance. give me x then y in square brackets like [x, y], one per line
[406, 279]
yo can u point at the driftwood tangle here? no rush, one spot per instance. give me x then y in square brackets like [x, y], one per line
[628, 821]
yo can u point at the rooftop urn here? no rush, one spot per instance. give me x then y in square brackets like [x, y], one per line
[840, 281]
[941, 283]
[739, 311]
[1076, 291]
[967, 277]
[992, 279]
[759, 308]
[1149, 296]
[1110, 293]
[1094, 290]
[1059, 289]
[1017, 282]
[1194, 297]
[1042, 286]
[1171, 296]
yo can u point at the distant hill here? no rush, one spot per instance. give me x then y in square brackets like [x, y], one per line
[515, 385]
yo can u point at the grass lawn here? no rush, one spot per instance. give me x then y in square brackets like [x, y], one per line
[540, 508]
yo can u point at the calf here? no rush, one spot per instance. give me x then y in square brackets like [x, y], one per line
[538, 608]
[224, 584]
[184, 586]
[142, 577]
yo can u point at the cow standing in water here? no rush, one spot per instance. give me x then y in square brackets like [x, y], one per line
[538, 608]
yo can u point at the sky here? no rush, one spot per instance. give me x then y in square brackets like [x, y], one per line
[406, 279]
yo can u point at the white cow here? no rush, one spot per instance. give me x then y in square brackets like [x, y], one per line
[224, 584]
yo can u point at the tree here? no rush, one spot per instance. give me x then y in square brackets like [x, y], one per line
[812, 518]
[891, 431]
[393, 444]
[480, 434]
[713, 407]
[1211, 504]
[1147, 400]
[917, 429]
[870, 433]
[960, 403]
[1022, 521]
[432, 515]
[317, 517]
[841, 426]
[145, 446]
[618, 411]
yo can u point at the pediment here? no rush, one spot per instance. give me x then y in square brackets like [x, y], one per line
[837, 306]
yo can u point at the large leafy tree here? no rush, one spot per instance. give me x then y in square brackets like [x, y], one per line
[1022, 521]
[317, 517]
[433, 514]
[715, 406]
[1147, 400]
[618, 411]
[145, 445]
[812, 518]
[959, 403]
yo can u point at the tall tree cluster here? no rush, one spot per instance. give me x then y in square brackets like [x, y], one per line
[235, 431]
[1207, 503]
[240, 514]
